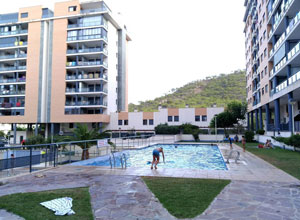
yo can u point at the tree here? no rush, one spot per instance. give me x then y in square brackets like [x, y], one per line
[238, 110]
[224, 120]
[81, 133]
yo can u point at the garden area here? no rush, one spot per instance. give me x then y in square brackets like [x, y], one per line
[286, 160]
[27, 205]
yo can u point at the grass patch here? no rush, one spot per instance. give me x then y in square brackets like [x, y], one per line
[27, 205]
[286, 160]
[185, 198]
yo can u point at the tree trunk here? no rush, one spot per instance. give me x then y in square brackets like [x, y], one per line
[85, 154]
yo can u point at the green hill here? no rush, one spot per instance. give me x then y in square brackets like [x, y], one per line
[218, 90]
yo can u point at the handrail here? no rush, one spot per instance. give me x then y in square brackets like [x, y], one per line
[236, 158]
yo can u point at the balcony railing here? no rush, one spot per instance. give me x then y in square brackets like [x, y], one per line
[73, 90]
[12, 68]
[103, 8]
[280, 64]
[87, 37]
[86, 103]
[87, 76]
[13, 32]
[88, 24]
[86, 63]
[16, 44]
[87, 50]
[293, 51]
[294, 78]
[12, 105]
[12, 80]
[8, 92]
[13, 56]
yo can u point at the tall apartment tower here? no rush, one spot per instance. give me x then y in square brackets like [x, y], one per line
[272, 31]
[62, 67]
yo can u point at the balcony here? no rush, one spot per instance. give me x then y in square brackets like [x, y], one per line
[17, 56]
[86, 37]
[16, 44]
[87, 24]
[13, 32]
[87, 76]
[86, 63]
[280, 17]
[88, 50]
[280, 64]
[13, 68]
[85, 90]
[11, 92]
[86, 103]
[12, 105]
[20, 80]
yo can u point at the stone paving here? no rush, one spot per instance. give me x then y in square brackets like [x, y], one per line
[4, 215]
[258, 191]
[127, 197]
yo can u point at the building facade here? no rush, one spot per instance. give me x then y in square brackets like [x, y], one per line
[147, 121]
[61, 66]
[272, 46]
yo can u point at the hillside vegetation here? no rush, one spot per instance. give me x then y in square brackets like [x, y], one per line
[219, 90]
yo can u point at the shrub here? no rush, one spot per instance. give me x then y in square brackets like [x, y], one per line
[294, 140]
[196, 135]
[249, 135]
[260, 132]
[166, 129]
[39, 139]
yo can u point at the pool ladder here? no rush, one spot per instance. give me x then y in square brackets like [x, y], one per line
[122, 158]
[230, 154]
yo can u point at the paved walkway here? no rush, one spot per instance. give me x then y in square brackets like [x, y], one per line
[4, 215]
[127, 197]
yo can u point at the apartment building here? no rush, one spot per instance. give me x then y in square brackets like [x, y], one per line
[147, 121]
[62, 66]
[272, 46]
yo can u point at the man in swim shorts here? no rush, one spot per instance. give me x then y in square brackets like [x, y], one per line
[156, 156]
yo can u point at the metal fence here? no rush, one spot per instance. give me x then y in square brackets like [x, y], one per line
[28, 158]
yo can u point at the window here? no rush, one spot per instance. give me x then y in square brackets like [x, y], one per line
[145, 122]
[120, 122]
[263, 91]
[176, 118]
[261, 58]
[24, 15]
[197, 117]
[264, 17]
[71, 125]
[262, 74]
[266, 88]
[265, 52]
[151, 121]
[266, 69]
[264, 35]
[204, 117]
[259, 8]
[125, 122]
[170, 118]
[72, 8]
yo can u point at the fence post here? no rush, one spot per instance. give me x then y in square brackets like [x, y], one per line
[54, 156]
[30, 160]
[46, 157]
[70, 153]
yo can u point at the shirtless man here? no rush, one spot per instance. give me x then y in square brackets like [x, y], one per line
[156, 156]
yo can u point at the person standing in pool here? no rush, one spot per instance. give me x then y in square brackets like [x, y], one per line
[156, 156]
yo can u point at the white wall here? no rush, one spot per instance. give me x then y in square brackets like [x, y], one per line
[19, 134]
[186, 115]
[112, 72]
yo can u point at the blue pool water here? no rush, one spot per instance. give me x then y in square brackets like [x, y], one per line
[189, 156]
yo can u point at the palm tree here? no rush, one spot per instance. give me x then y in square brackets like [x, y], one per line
[81, 133]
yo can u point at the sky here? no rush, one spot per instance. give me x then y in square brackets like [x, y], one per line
[174, 42]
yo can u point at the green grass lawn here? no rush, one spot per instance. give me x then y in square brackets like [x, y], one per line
[185, 198]
[27, 205]
[286, 160]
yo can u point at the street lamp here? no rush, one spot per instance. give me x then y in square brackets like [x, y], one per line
[292, 102]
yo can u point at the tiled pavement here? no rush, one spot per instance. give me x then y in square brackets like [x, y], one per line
[265, 193]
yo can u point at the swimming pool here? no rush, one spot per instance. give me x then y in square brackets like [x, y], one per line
[190, 156]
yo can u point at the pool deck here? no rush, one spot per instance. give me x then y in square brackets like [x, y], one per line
[258, 190]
